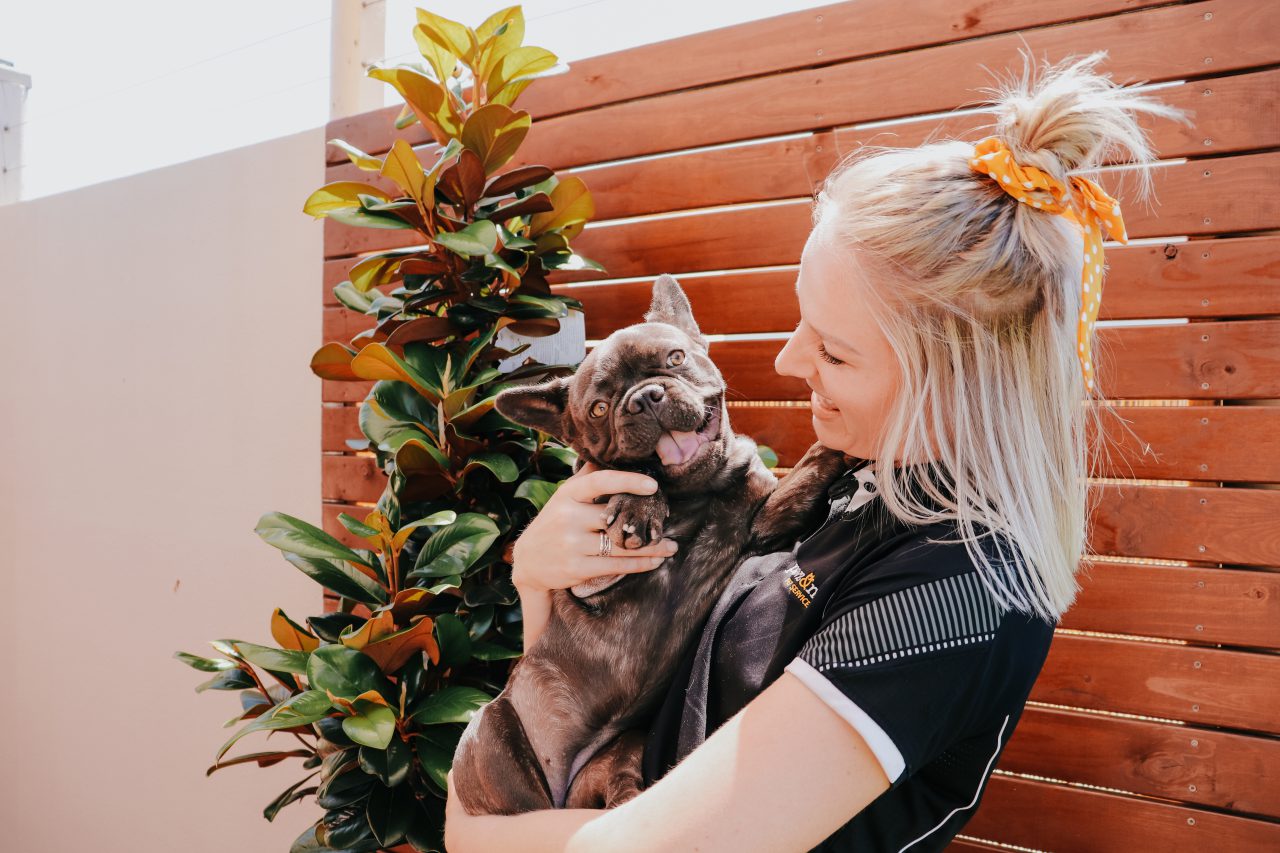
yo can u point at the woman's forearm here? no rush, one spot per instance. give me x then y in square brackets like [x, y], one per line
[544, 831]
[535, 606]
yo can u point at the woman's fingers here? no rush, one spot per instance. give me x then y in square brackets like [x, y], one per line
[587, 487]
[616, 565]
[661, 548]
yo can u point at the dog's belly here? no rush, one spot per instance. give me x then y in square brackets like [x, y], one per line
[592, 676]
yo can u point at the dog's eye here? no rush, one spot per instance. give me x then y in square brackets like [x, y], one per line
[598, 408]
[676, 358]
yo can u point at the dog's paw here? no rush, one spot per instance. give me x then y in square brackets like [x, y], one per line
[634, 521]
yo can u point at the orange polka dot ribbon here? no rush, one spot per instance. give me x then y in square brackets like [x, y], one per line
[1084, 203]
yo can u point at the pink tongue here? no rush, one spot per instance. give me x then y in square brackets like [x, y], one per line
[676, 447]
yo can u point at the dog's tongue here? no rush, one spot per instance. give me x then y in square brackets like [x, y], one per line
[677, 447]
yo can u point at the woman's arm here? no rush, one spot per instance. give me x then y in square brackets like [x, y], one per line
[535, 610]
[782, 774]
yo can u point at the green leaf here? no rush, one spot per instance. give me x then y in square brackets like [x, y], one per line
[536, 492]
[204, 664]
[364, 219]
[567, 455]
[483, 650]
[231, 679]
[343, 672]
[373, 725]
[449, 705]
[454, 642]
[278, 660]
[289, 795]
[356, 526]
[346, 293]
[500, 464]
[478, 238]
[390, 812]
[341, 578]
[298, 537]
[300, 709]
[767, 456]
[391, 765]
[364, 161]
[436, 762]
[452, 549]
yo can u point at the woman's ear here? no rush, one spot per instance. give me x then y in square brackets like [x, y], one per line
[544, 407]
[671, 306]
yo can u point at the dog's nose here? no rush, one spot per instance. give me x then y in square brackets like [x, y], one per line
[648, 397]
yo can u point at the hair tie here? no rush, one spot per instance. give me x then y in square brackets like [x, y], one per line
[1083, 202]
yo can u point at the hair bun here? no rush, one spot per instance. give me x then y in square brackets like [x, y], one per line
[1067, 118]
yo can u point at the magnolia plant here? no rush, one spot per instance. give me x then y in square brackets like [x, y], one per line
[375, 693]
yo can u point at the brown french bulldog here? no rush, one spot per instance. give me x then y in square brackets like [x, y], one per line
[567, 731]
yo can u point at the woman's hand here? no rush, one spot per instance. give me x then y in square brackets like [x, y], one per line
[560, 548]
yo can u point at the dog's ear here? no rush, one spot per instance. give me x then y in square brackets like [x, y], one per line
[671, 306]
[544, 407]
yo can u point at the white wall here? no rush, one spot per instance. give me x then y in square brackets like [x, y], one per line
[155, 334]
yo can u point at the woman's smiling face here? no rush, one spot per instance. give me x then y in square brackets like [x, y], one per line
[839, 351]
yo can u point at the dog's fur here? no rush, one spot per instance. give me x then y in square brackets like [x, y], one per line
[560, 733]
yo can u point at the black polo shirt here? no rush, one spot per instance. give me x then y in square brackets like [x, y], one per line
[892, 627]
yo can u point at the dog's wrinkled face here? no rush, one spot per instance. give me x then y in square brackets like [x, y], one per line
[648, 396]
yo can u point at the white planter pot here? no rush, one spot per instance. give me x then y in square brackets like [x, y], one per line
[567, 346]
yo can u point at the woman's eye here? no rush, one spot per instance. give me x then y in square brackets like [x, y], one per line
[676, 358]
[598, 408]
[826, 356]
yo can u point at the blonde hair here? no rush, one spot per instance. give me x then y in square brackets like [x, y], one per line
[982, 316]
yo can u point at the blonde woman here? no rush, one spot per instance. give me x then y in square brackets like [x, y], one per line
[855, 694]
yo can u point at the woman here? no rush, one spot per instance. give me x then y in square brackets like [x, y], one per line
[855, 693]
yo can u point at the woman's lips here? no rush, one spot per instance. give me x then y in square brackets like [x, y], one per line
[822, 407]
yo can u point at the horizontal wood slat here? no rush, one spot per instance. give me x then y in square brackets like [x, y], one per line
[815, 36]
[1230, 526]
[1229, 606]
[1229, 277]
[1232, 360]
[1179, 682]
[1233, 443]
[1195, 198]
[1195, 765]
[1225, 443]
[1063, 819]
[1228, 114]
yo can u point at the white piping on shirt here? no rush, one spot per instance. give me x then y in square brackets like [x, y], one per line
[877, 740]
[981, 781]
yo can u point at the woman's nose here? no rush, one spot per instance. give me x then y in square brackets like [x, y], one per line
[789, 362]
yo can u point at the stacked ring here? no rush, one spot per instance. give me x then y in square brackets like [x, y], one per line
[606, 544]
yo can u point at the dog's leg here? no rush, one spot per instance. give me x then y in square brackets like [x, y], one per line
[798, 503]
[495, 770]
[612, 776]
[634, 521]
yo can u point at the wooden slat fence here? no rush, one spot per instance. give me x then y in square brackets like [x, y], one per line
[1155, 724]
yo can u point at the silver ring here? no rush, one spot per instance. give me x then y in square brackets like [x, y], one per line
[606, 544]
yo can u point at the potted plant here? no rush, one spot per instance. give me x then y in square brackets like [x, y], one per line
[376, 692]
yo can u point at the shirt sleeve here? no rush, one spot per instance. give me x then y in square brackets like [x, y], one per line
[912, 669]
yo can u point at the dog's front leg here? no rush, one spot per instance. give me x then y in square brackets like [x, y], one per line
[612, 777]
[634, 521]
[799, 502]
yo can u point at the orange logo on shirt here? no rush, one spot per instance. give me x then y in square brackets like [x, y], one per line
[801, 586]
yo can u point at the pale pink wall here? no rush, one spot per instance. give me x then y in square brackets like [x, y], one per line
[154, 335]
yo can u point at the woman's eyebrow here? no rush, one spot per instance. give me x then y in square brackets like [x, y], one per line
[842, 344]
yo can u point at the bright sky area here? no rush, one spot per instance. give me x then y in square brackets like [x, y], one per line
[126, 86]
